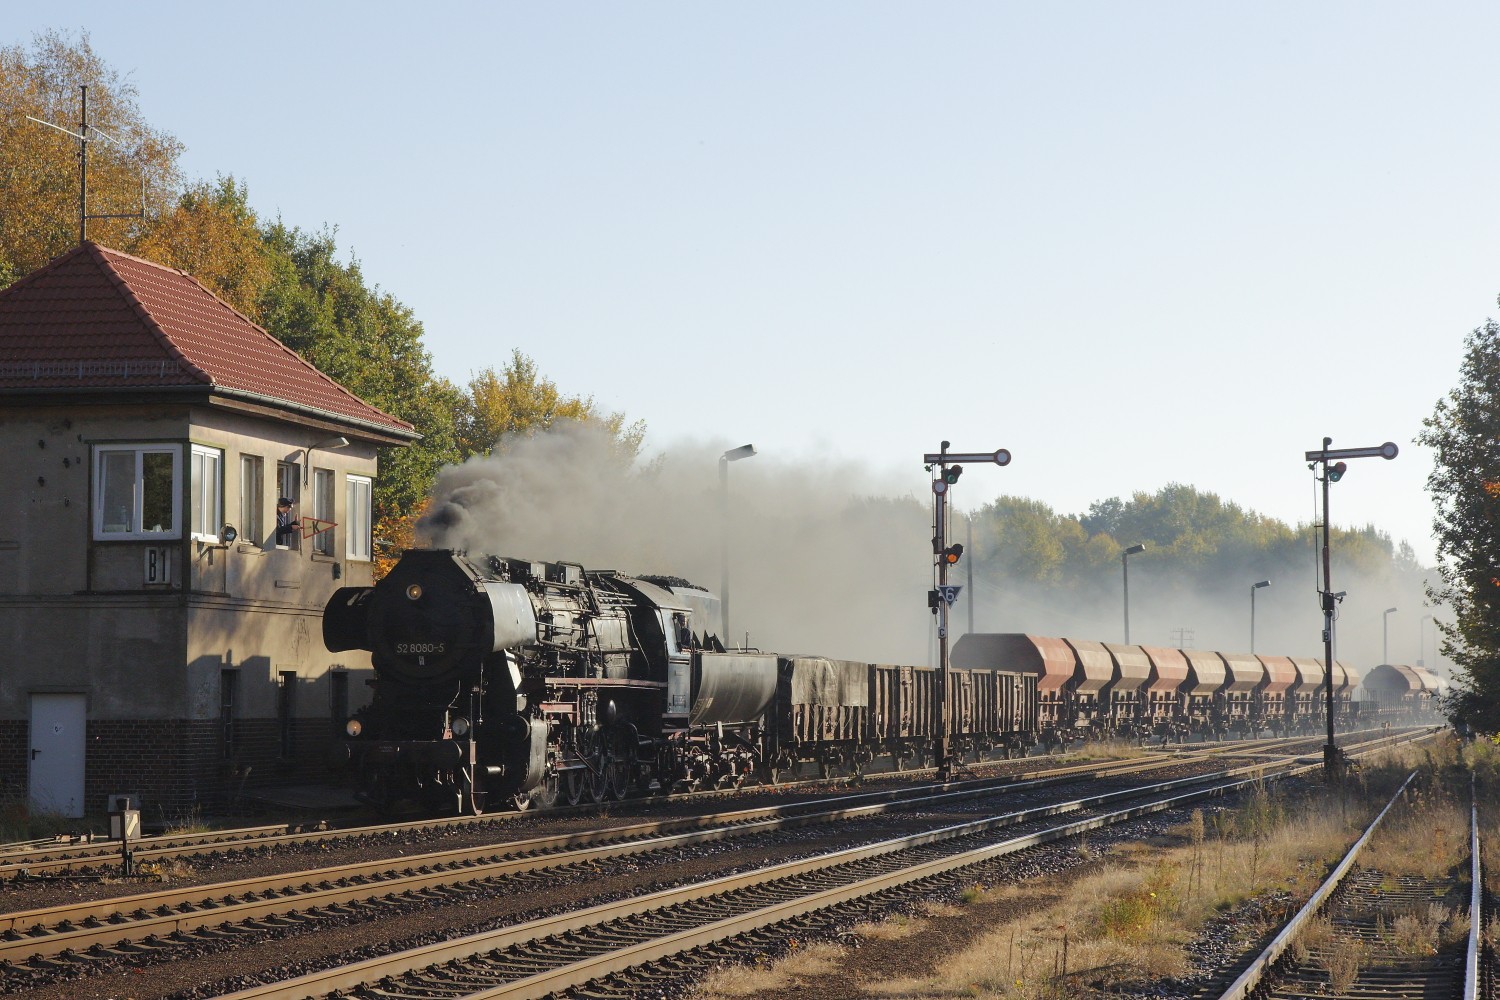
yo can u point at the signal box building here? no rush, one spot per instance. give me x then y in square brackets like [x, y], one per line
[156, 637]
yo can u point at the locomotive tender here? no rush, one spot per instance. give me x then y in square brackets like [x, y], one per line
[502, 682]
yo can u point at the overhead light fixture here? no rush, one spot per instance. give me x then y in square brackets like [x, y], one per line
[327, 444]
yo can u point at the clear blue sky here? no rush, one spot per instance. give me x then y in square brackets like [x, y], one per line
[1133, 243]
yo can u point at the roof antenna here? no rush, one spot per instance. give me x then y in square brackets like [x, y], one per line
[82, 135]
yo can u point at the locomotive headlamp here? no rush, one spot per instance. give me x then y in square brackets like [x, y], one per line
[353, 727]
[414, 592]
[459, 725]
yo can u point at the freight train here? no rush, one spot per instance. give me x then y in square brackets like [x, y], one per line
[501, 682]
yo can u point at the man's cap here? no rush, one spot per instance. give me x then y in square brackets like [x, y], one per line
[284, 502]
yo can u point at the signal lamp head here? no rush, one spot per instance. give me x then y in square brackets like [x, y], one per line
[1336, 471]
[951, 474]
[953, 553]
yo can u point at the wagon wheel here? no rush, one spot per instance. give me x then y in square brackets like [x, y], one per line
[898, 759]
[825, 767]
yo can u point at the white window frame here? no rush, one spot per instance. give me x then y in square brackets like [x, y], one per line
[325, 508]
[253, 498]
[359, 513]
[135, 531]
[208, 491]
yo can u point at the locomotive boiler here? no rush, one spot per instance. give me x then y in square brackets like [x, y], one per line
[502, 681]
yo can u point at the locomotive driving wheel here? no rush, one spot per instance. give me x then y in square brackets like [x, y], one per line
[547, 794]
[573, 786]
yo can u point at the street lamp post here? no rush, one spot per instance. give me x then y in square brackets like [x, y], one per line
[1385, 635]
[732, 455]
[1253, 588]
[1125, 567]
[1422, 641]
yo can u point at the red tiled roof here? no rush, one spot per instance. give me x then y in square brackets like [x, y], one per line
[96, 318]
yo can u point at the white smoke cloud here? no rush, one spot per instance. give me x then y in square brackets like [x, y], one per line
[823, 557]
[826, 557]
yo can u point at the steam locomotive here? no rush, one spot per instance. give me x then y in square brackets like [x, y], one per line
[502, 682]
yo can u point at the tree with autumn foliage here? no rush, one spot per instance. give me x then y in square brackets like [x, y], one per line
[213, 234]
[1465, 487]
[39, 165]
[518, 399]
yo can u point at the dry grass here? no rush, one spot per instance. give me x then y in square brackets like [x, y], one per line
[1128, 921]
[1108, 750]
[1427, 836]
[764, 976]
[1343, 964]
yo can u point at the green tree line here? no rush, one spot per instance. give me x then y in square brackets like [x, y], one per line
[293, 282]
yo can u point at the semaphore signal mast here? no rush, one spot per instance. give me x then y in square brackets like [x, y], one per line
[940, 599]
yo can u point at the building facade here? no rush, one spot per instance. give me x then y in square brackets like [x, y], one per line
[156, 636]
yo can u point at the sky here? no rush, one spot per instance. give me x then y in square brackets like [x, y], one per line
[1134, 244]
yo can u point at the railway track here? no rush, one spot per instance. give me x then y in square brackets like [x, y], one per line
[50, 859]
[1367, 934]
[76, 929]
[623, 948]
[166, 925]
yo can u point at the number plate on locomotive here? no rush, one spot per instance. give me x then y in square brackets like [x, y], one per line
[421, 648]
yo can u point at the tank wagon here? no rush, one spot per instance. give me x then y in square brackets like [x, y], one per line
[1401, 694]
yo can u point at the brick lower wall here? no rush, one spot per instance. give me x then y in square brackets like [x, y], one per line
[178, 765]
[14, 759]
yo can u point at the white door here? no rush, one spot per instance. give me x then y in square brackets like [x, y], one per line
[57, 739]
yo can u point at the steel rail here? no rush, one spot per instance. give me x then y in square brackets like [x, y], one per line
[1252, 976]
[53, 931]
[39, 857]
[75, 927]
[19, 856]
[198, 845]
[1476, 900]
[577, 973]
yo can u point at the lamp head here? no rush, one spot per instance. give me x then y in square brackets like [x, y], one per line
[1134, 549]
[735, 454]
[1263, 583]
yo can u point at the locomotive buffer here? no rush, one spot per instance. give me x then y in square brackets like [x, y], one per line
[946, 469]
